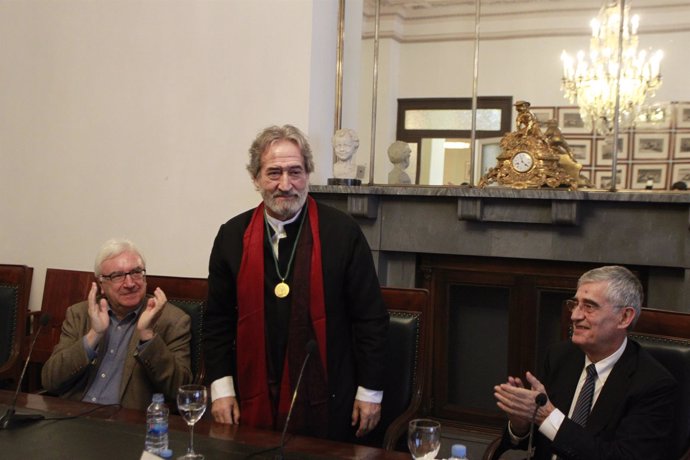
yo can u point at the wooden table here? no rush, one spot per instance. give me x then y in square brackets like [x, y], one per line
[108, 432]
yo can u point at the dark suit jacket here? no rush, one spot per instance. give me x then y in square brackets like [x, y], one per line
[357, 320]
[631, 419]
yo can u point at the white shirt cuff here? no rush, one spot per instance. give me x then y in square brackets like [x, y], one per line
[515, 439]
[371, 396]
[551, 424]
[222, 388]
[225, 386]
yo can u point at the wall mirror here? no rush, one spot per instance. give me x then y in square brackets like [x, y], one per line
[426, 50]
[438, 132]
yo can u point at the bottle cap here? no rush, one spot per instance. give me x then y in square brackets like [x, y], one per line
[458, 451]
[158, 397]
[165, 453]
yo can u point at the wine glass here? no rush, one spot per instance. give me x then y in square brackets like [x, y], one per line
[191, 402]
[424, 438]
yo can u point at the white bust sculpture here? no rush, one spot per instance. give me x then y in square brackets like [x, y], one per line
[345, 144]
[399, 155]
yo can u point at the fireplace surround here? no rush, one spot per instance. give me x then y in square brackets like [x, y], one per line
[499, 262]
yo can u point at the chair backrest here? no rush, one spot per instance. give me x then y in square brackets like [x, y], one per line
[190, 295]
[674, 355]
[15, 287]
[666, 335]
[62, 288]
[407, 359]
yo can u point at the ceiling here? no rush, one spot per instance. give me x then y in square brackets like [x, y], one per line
[442, 20]
[424, 8]
[431, 8]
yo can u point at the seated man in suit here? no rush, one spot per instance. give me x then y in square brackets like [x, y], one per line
[607, 397]
[121, 346]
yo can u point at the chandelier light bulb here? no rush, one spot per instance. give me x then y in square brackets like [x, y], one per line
[592, 85]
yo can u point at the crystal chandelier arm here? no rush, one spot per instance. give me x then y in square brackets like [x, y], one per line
[615, 70]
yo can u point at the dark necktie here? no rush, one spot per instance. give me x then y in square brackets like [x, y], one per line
[584, 401]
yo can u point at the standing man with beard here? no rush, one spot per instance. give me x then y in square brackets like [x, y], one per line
[281, 276]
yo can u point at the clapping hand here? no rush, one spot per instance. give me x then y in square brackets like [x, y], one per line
[519, 403]
[150, 314]
[98, 316]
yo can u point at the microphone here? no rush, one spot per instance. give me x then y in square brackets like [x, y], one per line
[10, 419]
[540, 400]
[310, 348]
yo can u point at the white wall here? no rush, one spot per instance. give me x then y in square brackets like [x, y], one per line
[133, 118]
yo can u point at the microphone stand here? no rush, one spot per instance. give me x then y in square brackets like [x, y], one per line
[311, 347]
[11, 419]
[540, 400]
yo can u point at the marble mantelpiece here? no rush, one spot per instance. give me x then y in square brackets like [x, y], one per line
[643, 228]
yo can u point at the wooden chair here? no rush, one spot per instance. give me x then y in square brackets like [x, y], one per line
[408, 357]
[666, 335]
[15, 287]
[190, 295]
[64, 288]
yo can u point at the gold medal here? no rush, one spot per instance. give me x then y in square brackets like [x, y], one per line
[281, 290]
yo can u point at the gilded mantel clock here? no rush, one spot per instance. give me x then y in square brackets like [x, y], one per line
[527, 159]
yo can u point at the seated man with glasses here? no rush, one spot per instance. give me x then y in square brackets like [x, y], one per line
[120, 346]
[605, 396]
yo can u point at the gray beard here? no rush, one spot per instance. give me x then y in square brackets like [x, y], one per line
[286, 210]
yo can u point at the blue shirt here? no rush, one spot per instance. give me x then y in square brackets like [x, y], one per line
[105, 387]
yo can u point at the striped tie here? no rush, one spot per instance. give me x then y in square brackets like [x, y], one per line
[584, 401]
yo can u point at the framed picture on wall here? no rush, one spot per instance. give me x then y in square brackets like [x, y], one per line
[682, 145]
[581, 150]
[487, 150]
[657, 116]
[605, 150]
[681, 173]
[650, 146]
[543, 114]
[644, 173]
[570, 121]
[683, 115]
[602, 179]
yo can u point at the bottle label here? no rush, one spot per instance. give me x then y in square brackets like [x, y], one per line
[158, 428]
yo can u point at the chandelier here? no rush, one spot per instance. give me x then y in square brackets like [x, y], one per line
[592, 85]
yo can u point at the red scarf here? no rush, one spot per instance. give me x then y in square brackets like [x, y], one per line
[252, 374]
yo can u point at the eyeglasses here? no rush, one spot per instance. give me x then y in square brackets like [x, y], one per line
[137, 274]
[587, 308]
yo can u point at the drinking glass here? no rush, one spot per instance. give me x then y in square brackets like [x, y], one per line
[191, 402]
[424, 438]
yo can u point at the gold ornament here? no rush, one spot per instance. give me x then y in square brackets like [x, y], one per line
[528, 159]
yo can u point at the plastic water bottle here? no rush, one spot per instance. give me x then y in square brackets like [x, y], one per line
[157, 426]
[458, 452]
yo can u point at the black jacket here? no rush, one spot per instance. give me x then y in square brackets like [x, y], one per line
[631, 419]
[357, 320]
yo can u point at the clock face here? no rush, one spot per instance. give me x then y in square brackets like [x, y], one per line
[522, 162]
